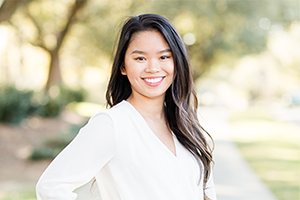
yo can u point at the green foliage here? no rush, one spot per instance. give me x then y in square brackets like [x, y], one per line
[71, 95]
[224, 30]
[51, 108]
[58, 98]
[53, 146]
[18, 195]
[15, 105]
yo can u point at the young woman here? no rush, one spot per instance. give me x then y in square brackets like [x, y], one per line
[149, 145]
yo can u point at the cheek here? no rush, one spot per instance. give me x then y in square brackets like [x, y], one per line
[127, 68]
[132, 72]
[170, 68]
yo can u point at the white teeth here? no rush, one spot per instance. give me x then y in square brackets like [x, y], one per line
[153, 80]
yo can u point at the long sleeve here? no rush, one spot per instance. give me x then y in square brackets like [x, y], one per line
[210, 188]
[80, 161]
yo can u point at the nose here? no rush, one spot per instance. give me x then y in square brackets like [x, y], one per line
[153, 66]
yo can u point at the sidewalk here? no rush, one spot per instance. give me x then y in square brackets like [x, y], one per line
[234, 179]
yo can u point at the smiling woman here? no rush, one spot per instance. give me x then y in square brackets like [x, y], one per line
[149, 66]
[149, 144]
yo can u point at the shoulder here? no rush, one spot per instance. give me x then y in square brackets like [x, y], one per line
[105, 123]
[115, 114]
[110, 122]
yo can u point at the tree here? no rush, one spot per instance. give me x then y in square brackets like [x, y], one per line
[8, 8]
[224, 30]
[227, 30]
[54, 74]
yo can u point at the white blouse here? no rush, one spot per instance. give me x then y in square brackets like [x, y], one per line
[128, 161]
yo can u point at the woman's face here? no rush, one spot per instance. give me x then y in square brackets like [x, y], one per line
[149, 65]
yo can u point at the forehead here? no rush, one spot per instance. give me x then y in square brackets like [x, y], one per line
[148, 39]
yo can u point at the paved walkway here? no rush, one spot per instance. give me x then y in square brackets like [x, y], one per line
[234, 179]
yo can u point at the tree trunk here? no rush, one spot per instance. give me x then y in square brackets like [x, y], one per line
[8, 8]
[54, 74]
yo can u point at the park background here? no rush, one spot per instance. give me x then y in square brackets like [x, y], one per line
[55, 59]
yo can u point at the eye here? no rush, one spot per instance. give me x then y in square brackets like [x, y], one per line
[140, 58]
[164, 57]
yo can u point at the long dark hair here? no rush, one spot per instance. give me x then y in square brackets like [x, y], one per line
[181, 99]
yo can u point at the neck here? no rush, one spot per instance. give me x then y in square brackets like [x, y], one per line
[148, 108]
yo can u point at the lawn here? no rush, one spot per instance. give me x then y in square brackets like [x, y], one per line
[272, 149]
[14, 195]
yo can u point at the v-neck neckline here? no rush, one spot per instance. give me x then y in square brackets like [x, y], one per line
[153, 134]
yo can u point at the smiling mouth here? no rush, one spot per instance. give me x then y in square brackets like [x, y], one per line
[153, 80]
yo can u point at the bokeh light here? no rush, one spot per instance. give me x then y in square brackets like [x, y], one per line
[189, 39]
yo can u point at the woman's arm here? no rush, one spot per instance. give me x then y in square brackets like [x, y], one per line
[80, 161]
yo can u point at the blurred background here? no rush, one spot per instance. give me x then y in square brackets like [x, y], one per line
[55, 59]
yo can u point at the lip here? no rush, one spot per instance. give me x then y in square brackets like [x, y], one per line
[155, 83]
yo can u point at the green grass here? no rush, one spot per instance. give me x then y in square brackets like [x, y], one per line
[272, 149]
[18, 195]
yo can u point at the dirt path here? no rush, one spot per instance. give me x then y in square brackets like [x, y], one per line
[17, 143]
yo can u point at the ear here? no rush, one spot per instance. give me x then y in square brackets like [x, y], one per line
[123, 70]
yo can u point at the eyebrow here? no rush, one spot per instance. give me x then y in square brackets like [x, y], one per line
[165, 50]
[142, 52]
[138, 52]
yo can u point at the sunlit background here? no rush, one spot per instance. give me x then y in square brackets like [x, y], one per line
[55, 59]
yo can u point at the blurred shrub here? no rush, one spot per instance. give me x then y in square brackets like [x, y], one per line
[51, 107]
[58, 97]
[71, 95]
[53, 146]
[16, 105]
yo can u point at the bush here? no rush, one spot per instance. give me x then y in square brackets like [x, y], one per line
[51, 105]
[53, 146]
[71, 95]
[15, 105]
